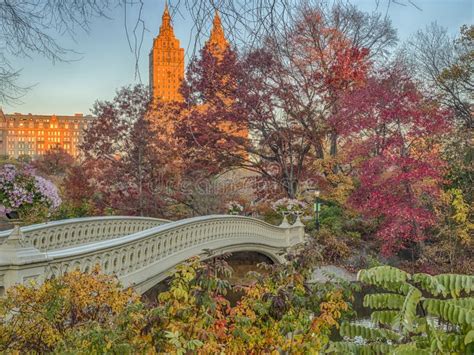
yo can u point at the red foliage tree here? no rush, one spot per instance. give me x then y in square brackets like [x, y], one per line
[282, 93]
[212, 124]
[55, 161]
[125, 158]
[77, 188]
[391, 129]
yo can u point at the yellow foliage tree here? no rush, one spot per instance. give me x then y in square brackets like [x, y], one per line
[38, 318]
[454, 238]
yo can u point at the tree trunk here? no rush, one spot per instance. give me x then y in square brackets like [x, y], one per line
[140, 183]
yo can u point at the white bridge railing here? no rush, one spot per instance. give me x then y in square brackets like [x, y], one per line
[75, 231]
[144, 258]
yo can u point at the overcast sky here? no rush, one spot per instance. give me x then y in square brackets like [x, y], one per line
[104, 61]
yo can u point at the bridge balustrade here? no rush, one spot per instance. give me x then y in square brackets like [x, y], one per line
[76, 231]
[143, 258]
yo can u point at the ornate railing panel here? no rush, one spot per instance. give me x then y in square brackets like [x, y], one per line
[76, 231]
[143, 256]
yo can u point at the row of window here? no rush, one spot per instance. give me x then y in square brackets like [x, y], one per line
[41, 133]
[38, 152]
[21, 145]
[168, 44]
[24, 142]
[45, 125]
[21, 152]
[166, 69]
[164, 87]
[169, 78]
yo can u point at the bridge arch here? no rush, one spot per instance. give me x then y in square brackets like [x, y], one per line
[167, 267]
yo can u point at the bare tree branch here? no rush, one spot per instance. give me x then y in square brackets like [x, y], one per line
[31, 27]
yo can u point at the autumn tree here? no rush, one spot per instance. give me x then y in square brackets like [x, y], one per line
[393, 131]
[324, 52]
[55, 161]
[211, 128]
[125, 158]
[79, 195]
[283, 93]
[444, 64]
[210, 117]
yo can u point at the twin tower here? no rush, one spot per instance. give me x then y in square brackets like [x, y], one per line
[167, 58]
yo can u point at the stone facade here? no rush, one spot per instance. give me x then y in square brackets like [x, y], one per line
[167, 58]
[33, 135]
[166, 63]
[217, 43]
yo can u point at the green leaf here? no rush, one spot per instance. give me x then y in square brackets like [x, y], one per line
[353, 330]
[449, 312]
[407, 314]
[469, 338]
[409, 349]
[429, 284]
[383, 317]
[381, 275]
[384, 300]
[467, 302]
[455, 284]
[343, 347]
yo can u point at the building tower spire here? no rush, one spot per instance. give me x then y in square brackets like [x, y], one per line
[166, 26]
[166, 62]
[217, 43]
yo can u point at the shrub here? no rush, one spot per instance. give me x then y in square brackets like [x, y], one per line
[89, 313]
[332, 217]
[334, 248]
[39, 318]
[32, 196]
[408, 313]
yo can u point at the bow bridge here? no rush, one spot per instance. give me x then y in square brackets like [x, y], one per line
[140, 251]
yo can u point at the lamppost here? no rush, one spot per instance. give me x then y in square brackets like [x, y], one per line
[317, 208]
[317, 203]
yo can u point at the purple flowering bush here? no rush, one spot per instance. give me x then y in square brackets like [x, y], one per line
[23, 191]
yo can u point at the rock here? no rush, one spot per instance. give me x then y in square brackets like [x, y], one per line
[328, 272]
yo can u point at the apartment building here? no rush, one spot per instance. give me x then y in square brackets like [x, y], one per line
[33, 135]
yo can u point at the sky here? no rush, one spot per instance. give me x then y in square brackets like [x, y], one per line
[103, 61]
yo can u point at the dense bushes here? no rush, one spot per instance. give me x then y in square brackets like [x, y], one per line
[88, 313]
